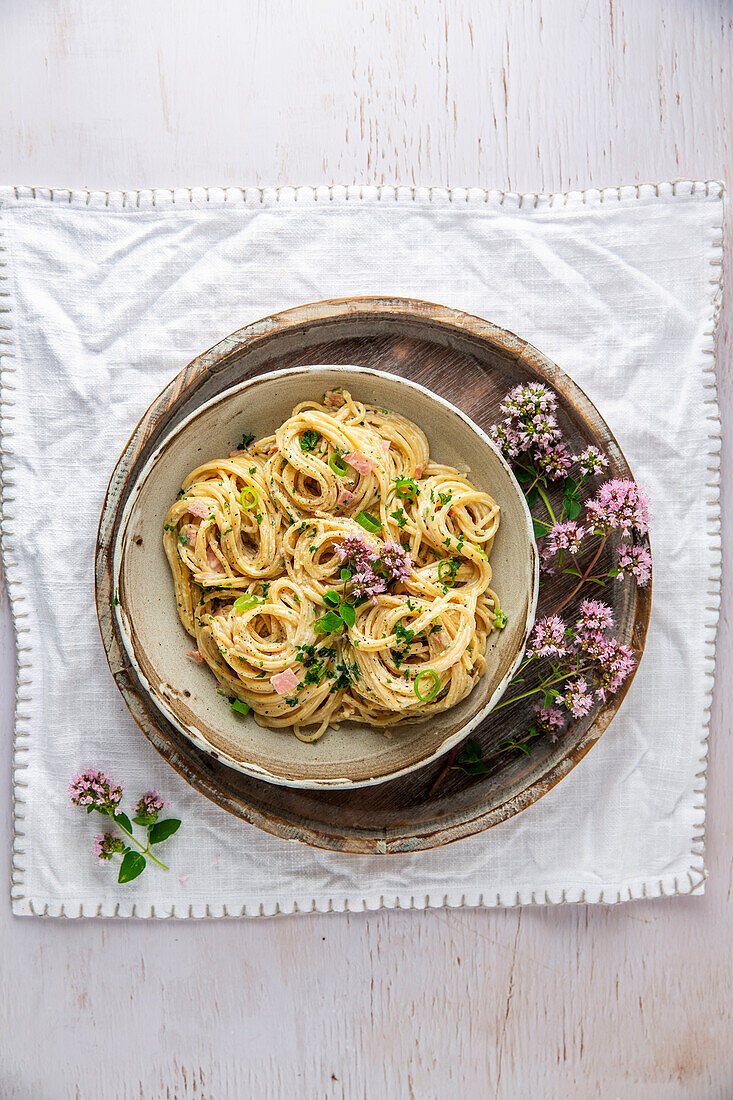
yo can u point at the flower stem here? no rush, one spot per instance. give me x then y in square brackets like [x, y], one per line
[543, 686]
[546, 503]
[449, 764]
[145, 851]
[584, 578]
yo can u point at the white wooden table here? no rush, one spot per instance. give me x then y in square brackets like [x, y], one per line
[633, 1001]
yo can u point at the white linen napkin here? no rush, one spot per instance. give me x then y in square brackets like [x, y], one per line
[105, 296]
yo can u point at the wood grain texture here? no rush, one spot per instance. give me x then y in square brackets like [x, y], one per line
[631, 1002]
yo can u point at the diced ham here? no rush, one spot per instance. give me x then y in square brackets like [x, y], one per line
[385, 445]
[236, 454]
[195, 656]
[345, 497]
[189, 533]
[283, 682]
[360, 462]
[198, 508]
[418, 471]
[334, 400]
[213, 562]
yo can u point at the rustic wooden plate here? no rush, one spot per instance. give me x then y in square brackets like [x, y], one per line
[472, 364]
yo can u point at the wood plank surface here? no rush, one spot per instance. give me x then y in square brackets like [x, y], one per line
[632, 1001]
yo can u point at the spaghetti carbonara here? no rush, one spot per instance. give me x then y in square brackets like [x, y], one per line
[331, 571]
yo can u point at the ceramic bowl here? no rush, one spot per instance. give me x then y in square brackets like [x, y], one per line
[355, 755]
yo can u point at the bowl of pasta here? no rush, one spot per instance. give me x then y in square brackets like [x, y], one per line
[324, 576]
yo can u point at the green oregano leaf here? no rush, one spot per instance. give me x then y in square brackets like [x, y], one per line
[329, 623]
[123, 820]
[573, 507]
[347, 612]
[163, 829]
[133, 864]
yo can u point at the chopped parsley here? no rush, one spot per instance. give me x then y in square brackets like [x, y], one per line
[247, 439]
[399, 516]
[404, 638]
[315, 662]
[309, 439]
[344, 675]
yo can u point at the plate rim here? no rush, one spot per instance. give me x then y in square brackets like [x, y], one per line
[453, 825]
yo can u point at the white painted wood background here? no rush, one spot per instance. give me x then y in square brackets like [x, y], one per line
[626, 1002]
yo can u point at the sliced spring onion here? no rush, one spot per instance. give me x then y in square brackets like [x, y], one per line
[338, 466]
[452, 570]
[245, 603]
[240, 707]
[369, 523]
[433, 691]
[406, 488]
[249, 498]
[500, 619]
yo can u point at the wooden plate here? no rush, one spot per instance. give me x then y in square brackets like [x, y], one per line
[472, 364]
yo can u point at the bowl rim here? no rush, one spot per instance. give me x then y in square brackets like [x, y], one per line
[120, 542]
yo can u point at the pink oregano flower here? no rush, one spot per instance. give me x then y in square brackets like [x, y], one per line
[94, 790]
[595, 618]
[635, 560]
[591, 461]
[620, 505]
[107, 846]
[564, 536]
[578, 699]
[549, 720]
[584, 661]
[530, 427]
[372, 568]
[548, 638]
[148, 807]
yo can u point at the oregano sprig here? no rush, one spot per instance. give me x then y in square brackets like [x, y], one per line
[574, 663]
[93, 790]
